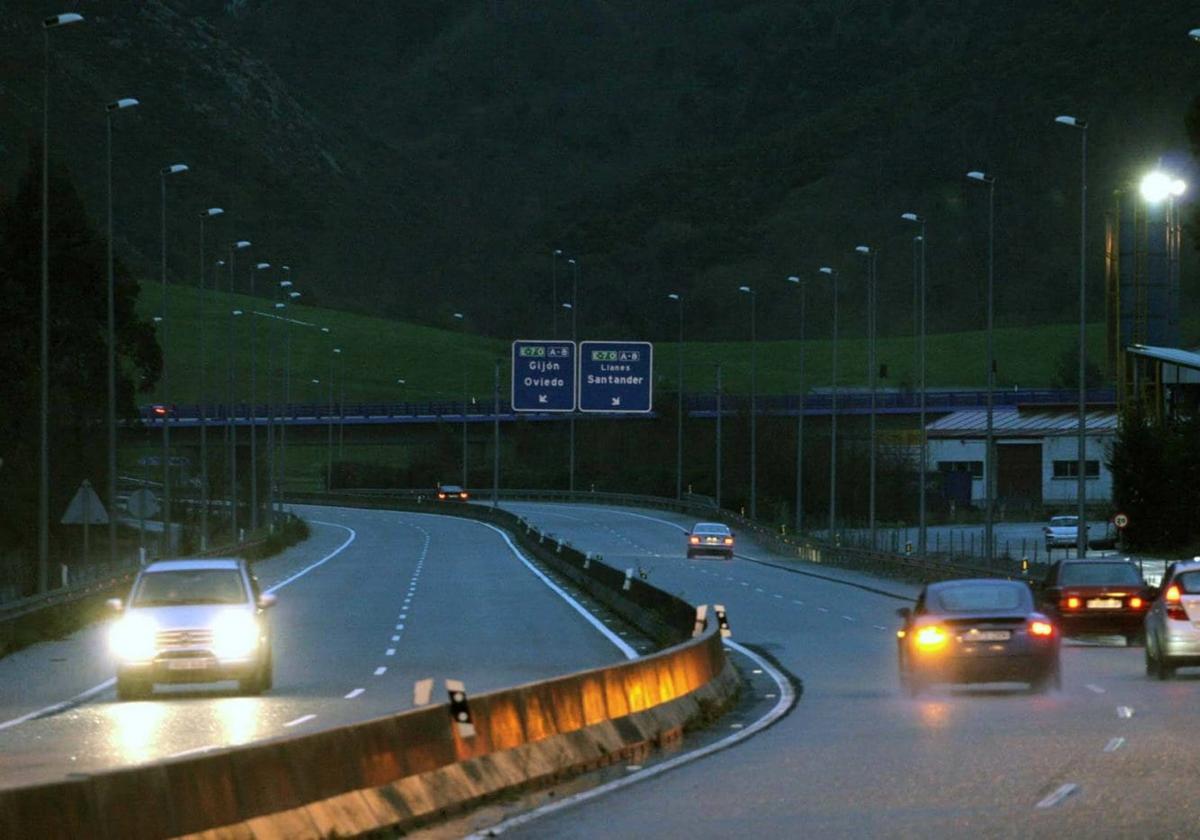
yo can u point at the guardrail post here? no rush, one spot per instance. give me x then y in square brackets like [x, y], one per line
[628, 579]
[460, 709]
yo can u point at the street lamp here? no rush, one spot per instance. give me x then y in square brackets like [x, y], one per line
[833, 408]
[679, 412]
[872, 258]
[921, 534]
[329, 438]
[1081, 487]
[210, 213]
[52, 22]
[799, 524]
[574, 349]
[753, 402]
[109, 110]
[262, 266]
[1194, 34]
[231, 427]
[553, 290]
[173, 169]
[462, 320]
[989, 470]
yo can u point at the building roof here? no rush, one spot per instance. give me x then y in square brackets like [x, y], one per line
[1170, 355]
[1008, 422]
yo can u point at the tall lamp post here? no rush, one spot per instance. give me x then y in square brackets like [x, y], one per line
[173, 169]
[679, 409]
[718, 438]
[921, 531]
[554, 255]
[753, 401]
[462, 322]
[989, 462]
[1081, 490]
[210, 213]
[110, 109]
[285, 389]
[230, 395]
[262, 266]
[52, 22]
[833, 409]
[575, 343]
[329, 441]
[799, 524]
[872, 259]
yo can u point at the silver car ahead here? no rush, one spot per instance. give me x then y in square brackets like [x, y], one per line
[1173, 622]
[192, 621]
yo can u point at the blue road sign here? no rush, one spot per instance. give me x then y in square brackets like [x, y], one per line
[616, 376]
[543, 376]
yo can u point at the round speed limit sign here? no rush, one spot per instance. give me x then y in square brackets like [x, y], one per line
[1121, 520]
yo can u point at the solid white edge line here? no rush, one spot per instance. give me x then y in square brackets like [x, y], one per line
[354, 693]
[625, 649]
[300, 720]
[1058, 795]
[787, 697]
[193, 751]
[111, 681]
[1114, 744]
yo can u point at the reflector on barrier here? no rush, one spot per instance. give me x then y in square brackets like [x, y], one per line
[628, 579]
[722, 621]
[701, 620]
[460, 711]
[423, 691]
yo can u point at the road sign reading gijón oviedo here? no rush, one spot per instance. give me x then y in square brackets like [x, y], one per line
[543, 375]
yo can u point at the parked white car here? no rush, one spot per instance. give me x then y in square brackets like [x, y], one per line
[1063, 532]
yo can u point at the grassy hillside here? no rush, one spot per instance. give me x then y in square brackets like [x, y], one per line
[377, 351]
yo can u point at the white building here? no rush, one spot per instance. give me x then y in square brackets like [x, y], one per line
[1037, 454]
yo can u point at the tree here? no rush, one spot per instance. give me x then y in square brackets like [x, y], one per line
[78, 392]
[1066, 371]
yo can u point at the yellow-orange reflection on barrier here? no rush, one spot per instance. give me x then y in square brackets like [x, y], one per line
[135, 729]
[238, 718]
[594, 707]
[935, 715]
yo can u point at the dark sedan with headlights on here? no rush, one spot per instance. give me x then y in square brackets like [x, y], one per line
[710, 538]
[1106, 597]
[977, 631]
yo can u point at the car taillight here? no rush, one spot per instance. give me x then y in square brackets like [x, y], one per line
[1041, 628]
[441, 495]
[729, 541]
[1136, 603]
[931, 637]
[1071, 603]
[694, 540]
[1173, 599]
[462, 495]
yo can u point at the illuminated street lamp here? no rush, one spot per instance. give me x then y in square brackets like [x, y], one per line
[110, 109]
[231, 427]
[52, 22]
[210, 213]
[554, 255]
[262, 266]
[753, 401]
[574, 307]
[1081, 466]
[921, 533]
[832, 274]
[462, 320]
[872, 260]
[173, 169]
[679, 409]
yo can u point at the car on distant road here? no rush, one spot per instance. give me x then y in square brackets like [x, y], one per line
[192, 621]
[1104, 597]
[1063, 532]
[1173, 622]
[452, 493]
[710, 538]
[977, 631]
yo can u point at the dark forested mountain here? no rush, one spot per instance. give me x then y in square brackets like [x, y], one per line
[416, 158]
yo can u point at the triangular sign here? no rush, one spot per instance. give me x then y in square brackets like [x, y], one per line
[86, 506]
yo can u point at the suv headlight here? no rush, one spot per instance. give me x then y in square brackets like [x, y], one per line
[131, 637]
[235, 635]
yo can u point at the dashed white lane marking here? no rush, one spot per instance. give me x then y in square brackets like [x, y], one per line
[1124, 711]
[390, 652]
[193, 751]
[822, 609]
[399, 626]
[797, 603]
[300, 720]
[879, 627]
[787, 697]
[355, 693]
[780, 597]
[1095, 689]
[381, 670]
[1058, 795]
[395, 638]
[848, 618]
[744, 583]
[1114, 744]
[759, 589]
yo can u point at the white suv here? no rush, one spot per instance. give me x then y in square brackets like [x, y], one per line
[192, 621]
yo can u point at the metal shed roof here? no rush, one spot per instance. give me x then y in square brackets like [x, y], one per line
[1012, 423]
[1170, 355]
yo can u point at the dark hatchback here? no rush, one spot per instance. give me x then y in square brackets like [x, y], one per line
[977, 631]
[1103, 597]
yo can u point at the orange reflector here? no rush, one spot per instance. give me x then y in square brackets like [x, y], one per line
[1041, 628]
[1135, 603]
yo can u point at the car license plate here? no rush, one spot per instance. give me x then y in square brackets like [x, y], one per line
[188, 664]
[988, 636]
[1104, 604]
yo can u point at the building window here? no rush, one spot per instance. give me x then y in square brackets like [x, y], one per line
[1070, 469]
[975, 468]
